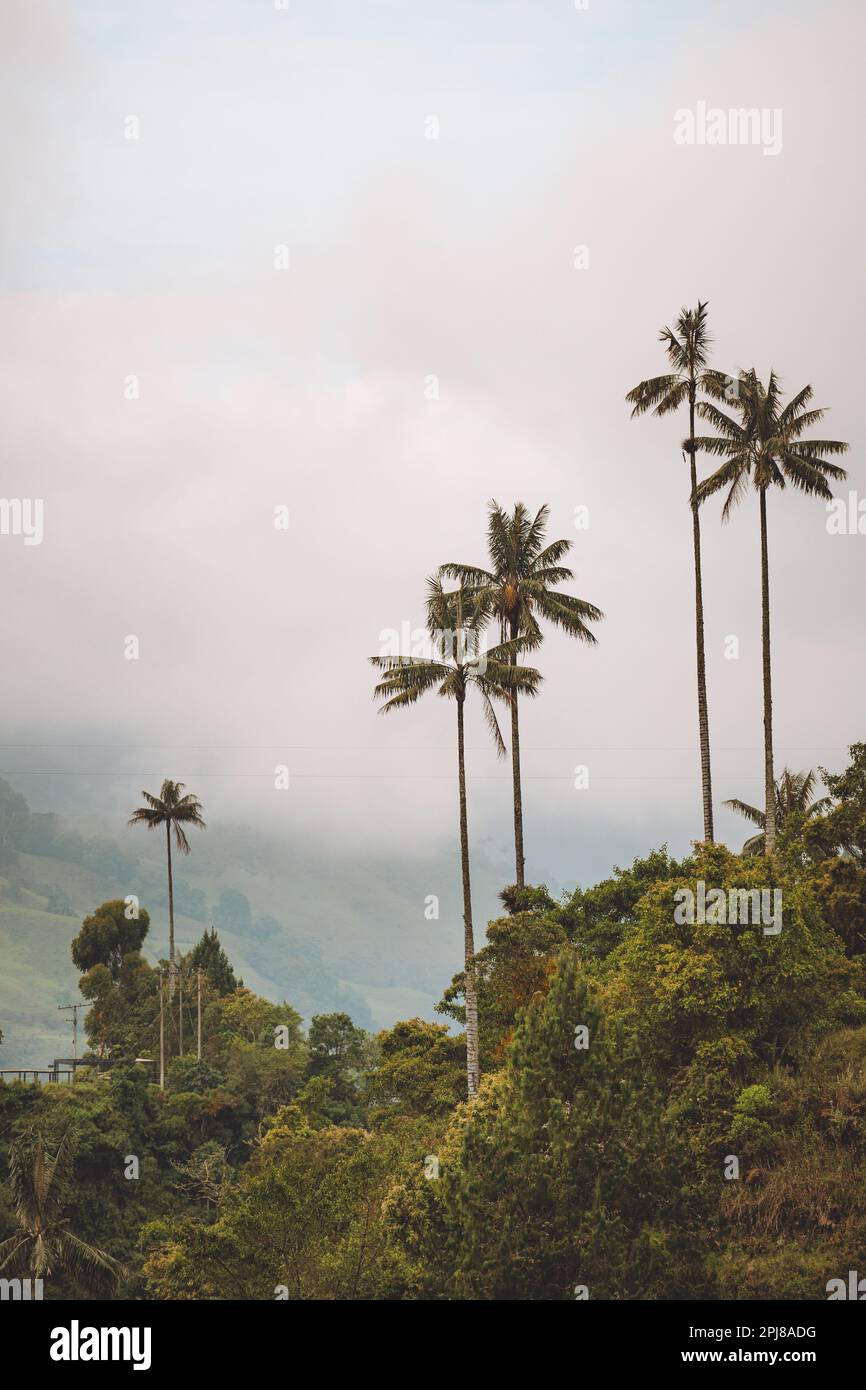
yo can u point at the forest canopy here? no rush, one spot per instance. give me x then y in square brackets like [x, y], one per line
[666, 1109]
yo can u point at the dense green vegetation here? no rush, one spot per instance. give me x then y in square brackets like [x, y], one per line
[666, 1109]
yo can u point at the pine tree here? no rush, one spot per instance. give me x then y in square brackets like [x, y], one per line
[208, 955]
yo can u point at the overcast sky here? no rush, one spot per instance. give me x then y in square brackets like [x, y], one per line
[412, 257]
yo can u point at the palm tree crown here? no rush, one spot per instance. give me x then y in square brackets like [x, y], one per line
[766, 444]
[687, 347]
[173, 809]
[455, 621]
[41, 1185]
[793, 796]
[519, 588]
[521, 585]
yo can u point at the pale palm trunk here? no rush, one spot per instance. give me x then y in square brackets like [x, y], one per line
[703, 716]
[769, 781]
[171, 965]
[519, 860]
[469, 992]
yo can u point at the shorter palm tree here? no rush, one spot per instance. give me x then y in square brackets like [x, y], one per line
[41, 1185]
[793, 796]
[172, 809]
[455, 621]
[522, 586]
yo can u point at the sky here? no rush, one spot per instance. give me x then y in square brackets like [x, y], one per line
[378, 263]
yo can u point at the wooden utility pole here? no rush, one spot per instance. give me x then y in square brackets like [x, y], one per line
[161, 1038]
[64, 1008]
[198, 973]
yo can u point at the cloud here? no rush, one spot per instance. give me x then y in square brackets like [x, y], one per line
[411, 259]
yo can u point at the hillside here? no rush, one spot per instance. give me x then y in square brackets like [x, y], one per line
[350, 938]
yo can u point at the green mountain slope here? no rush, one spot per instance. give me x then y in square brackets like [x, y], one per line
[327, 936]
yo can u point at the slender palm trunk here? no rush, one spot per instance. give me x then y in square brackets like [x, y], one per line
[520, 862]
[469, 993]
[769, 782]
[703, 716]
[170, 914]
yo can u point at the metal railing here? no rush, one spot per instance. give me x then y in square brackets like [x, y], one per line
[61, 1072]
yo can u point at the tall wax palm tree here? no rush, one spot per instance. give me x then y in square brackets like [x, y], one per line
[766, 444]
[793, 796]
[518, 589]
[41, 1184]
[455, 621]
[174, 810]
[687, 345]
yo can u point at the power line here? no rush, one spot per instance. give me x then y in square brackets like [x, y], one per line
[386, 776]
[425, 748]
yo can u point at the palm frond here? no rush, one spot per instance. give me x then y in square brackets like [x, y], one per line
[469, 576]
[796, 406]
[551, 555]
[570, 614]
[12, 1249]
[751, 813]
[490, 717]
[661, 394]
[724, 423]
[406, 679]
[534, 536]
[89, 1260]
